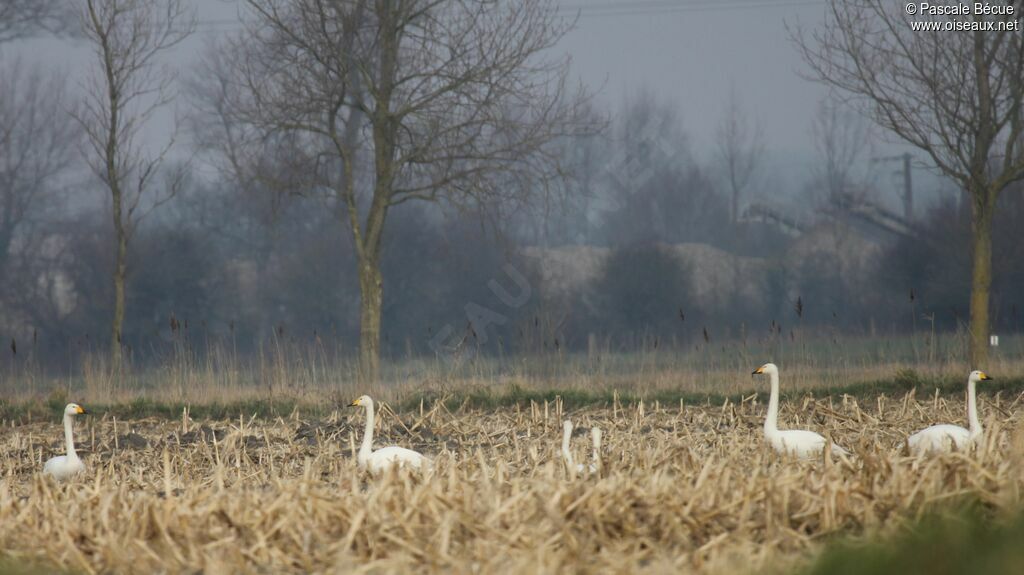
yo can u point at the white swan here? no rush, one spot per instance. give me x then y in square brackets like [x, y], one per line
[64, 466]
[946, 437]
[385, 458]
[798, 442]
[571, 465]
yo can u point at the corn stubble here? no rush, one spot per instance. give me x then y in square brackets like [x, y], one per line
[691, 490]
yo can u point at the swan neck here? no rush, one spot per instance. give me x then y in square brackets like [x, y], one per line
[367, 447]
[68, 439]
[566, 434]
[972, 409]
[771, 421]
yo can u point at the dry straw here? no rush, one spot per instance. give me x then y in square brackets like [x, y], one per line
[692, 490]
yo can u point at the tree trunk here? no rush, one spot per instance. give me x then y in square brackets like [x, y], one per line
[385, 128]
[983, 205]
[371, 296]
[119, 275]
[734, 206]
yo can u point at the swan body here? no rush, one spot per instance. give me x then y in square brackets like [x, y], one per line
[66, 466]
[381, 460]
[800, 442]
[595, 439]
[946, 437]
[797, 442]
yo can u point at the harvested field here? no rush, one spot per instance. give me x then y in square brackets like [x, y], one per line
[690, 489]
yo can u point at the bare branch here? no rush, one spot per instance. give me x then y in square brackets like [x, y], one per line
[128, 86]
[36, 148]
[455, 101]
[740, 146]
[25, 18]
[953, 95]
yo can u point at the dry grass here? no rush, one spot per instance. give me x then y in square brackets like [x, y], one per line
[689, 489]
[312, 384]
[310, 373]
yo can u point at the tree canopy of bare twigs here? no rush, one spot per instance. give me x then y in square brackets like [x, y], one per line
[387, 102]
[956, 96]
[843, 139]
[37, 151]
[127, 86]
[23, 18]
[740, 148]
[36, 148]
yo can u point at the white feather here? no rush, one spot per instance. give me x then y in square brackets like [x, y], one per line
[384, 458]
[946, 437]
[796, 442]
[595, 439]
[943, 437]
[381, 460]
[64, 467]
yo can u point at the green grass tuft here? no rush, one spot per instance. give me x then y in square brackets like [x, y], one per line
[13, 567]
[143, 408]
[572, 398]
[496, 397]
[943, 544]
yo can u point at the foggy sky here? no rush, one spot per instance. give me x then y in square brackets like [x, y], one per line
[691, 53]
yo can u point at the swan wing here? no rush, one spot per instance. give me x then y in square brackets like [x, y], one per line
[939, 438]
[800, 442]
[62, 467]
[54, 464]
[386, 457]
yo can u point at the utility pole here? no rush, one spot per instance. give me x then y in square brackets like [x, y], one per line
[908, 189]
[908, 186]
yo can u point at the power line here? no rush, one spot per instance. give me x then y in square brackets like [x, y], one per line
[641, 7]
[710, 7]
[611, 9]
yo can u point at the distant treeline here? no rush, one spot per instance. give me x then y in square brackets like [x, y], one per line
[643, 252]
[215, 279]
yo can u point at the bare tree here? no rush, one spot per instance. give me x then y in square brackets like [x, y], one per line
[391, 101]
[36, 147]
[23, 18]
[842, 138]
[37, 152]
[653, 188]
[739, 150]
[128, 85]
[956, 96]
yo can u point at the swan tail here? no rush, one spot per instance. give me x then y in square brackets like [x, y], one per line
[841, 451]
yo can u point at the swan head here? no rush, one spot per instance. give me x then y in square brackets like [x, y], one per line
[360, 401]
[75, 409]
[768, 368]
[567, 426]
[978, 375]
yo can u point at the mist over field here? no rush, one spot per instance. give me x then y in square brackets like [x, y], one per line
[692, 200]
[511, 286]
